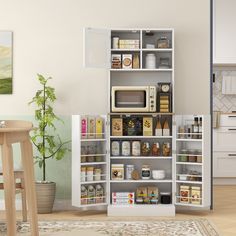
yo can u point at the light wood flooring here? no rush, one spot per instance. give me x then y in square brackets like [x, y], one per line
[223, 216]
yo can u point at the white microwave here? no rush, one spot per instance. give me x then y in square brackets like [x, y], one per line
[133, 99]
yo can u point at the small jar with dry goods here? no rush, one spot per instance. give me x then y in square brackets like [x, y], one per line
[145, 149]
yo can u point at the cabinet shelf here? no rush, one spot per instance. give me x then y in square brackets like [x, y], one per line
[188, 182]
[141, 157]
[143, 69]
[189, 163]
[94, 140]
[157, 49]
[126, 49]
[93, 163]
[188, 204]
[141, 113]
[94, 182]
[142, 181]
[93, 155]
[95, 204]
[188, 140]
[140, 137]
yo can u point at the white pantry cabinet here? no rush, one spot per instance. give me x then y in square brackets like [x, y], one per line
[224, 33]
[98, 49]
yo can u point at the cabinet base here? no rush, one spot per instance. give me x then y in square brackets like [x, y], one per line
[141, 210]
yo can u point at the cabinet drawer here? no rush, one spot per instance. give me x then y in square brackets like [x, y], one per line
[228, 120]
[224, 164]
[224, 139]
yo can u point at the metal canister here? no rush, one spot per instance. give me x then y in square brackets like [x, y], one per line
[125, 148]
[115, 148]
[136, 148]
[129, 170]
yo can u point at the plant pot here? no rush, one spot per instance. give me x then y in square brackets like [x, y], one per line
[45, 193]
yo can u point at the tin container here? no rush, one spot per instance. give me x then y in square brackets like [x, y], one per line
[125, 148]
[115, 148]
[129, 169]
[136, 148]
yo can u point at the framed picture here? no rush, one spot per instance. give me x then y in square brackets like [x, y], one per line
[6, 62]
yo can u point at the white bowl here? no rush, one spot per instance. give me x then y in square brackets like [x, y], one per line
[158, 174]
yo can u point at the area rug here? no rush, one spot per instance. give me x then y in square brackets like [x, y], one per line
[196, 227]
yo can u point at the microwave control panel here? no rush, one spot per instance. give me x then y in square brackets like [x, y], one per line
[152, 99]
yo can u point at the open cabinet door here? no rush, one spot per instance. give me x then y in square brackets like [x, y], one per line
[193, 162]
[89, 161]
[97, 44]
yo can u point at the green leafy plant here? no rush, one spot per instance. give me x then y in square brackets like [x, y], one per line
[47, 142]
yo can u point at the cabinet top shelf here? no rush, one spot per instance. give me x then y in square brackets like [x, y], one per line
[142, 70]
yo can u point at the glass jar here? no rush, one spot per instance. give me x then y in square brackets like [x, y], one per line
[125, 148]
[156, 149]
[83, 174]
[146, 172]
[150, 62]
[136, 148]
[90, 173]
[145, 149]
[97, 174]
[166, 149]
[163, 42]
[115, 148]
[91, 152]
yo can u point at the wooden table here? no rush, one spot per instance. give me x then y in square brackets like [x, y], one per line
[18, 132]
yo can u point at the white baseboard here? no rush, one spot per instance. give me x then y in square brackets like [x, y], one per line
[224, 181]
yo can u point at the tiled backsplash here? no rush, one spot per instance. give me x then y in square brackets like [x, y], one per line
[221, 102]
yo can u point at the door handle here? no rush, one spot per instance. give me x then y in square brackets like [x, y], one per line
[232, 154]
[232, 116]
[231, 129]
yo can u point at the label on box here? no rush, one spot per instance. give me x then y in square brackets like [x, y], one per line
[83, 127]
[127, 61]
[99, 127]
[122, 201]
[117, 127]
[122, 194]
[147, 126]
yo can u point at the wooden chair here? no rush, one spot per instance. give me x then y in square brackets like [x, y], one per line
[20, 188]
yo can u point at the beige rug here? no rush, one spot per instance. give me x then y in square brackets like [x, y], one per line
[196, 227]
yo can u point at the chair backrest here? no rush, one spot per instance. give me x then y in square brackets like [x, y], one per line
[16, 125]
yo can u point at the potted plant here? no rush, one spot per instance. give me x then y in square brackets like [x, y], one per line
[48, 144]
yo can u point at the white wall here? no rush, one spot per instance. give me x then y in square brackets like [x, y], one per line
[48, 39]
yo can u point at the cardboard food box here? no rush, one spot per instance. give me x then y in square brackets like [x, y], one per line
[116, 61]
[117, 127]
[147, 126]
[153, 192]
[122, 201]
[99, 127]
[117, 171]
[122, 194]
[84, 126]
[141, 192]
[127, 61]
[91, 127]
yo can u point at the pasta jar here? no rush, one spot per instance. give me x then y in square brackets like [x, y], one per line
[125, 148]
[136, 148]
[90, 173]
[146, 172]
[97, 174]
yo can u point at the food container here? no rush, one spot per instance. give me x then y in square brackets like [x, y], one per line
[199, 159]
[150, 61]
[83, 174]
[83, 154]
[116, 61]
[99, 194]
[163, 42]
[184, 194]
[115, 42]
[181, 132]
[84, 127]
[91, 194]
[84, 195]
[146, 172]
[125, 148]
[122, 201]
[90, 171]
[90, 152]
[147, 126]
[165, 197]
[192, 158]
[129, 170]
[183, 158]
[164, 63]
[166, 149]
[150, 45]
[183, 177]
[117, 171]
[156, 149]
[127, 61]
[136, 64]
[117, 127]
[115, 148]
[91, 127]
[195, 195]
[136, 148]
[158, 174]
[145, 149]
[99, 127]
[97, 174]
[122, 194]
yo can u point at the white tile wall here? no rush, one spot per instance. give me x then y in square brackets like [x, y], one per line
[224, 103]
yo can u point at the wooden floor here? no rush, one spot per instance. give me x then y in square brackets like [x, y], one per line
[223, 216]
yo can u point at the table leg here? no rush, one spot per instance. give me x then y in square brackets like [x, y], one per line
[28, 166]
[9, 188]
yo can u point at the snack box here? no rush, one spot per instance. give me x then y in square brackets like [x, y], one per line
[99, 127]
[91, 127]
[117, 127]
[141, 192]
[84, 126]
[122, 201]
[123, 195]
[127, 61]
[147, 126]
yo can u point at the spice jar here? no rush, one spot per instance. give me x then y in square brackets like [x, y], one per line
[150, 61]
[156, 149]
[136, 148]
[90, 173]
[166, 149]
[146, 172]
[125, 148]
[129, 170]
[97, 174]
[145, 149]
[83, 174]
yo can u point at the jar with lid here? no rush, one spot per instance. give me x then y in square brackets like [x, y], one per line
[83, 174]
[166, 149]
[150, 62]
[163, 42]
[164, 63]
[136, 148]
[145, 149]
[146, 172]
[125, 148]
[97, 174]
[115, 42]
[90, 171]
[129, 170]
[115, 148]
[156, 149]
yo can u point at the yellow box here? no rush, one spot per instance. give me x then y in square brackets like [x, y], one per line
[147, 126]
[99, 127]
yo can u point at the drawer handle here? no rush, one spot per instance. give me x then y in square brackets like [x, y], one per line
[232, 129]
[232, 154]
